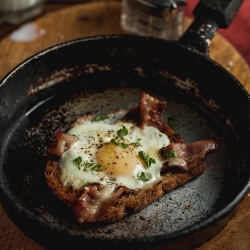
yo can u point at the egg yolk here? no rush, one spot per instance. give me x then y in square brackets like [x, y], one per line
[115, 160]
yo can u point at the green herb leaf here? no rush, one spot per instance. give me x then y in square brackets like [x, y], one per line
[110, 183]
[142, 176]
[78, 161]
[137, 143]
[146, 158]
[170, 154]
[98, 118]
[119, 143]
[112, 51]
[172, 122]
[123, 131]
[92, 165]
[86, 184]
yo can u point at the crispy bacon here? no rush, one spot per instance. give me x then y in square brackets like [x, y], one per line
[148, 112]
[64, 142]
[95, 199]
[188, 155]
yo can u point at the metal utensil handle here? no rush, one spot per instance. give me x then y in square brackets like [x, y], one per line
[209, 16]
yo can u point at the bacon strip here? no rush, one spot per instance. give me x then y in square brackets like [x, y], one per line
[189, 155]
[148, 112]
[64, 142]
[94, 201]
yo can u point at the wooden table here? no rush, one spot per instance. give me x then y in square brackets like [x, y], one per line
[97, 18]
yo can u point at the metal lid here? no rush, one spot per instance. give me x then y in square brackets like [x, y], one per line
[159, 8]
[163, 3]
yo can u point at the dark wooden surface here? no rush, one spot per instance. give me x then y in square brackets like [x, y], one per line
[60, 20]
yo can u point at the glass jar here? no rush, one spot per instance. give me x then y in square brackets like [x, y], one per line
[157, 18]
[17, 11]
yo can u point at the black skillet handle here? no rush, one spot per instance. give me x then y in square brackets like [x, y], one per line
[209, 16]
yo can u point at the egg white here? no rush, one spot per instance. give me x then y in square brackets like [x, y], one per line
[95, 135]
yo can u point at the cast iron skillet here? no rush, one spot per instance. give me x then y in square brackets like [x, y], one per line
[103, 74]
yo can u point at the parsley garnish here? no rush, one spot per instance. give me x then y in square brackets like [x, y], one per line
[137, 143]
[110, 183]
[172, 122]
[123, 131]
[92, 165]
[86, 184]
[146, 158]
[78, 161]
[98, 118]
[124, 145]
[170, 154]
[142, 176]
[119, 143]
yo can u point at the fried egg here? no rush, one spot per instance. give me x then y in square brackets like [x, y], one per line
[113, 153]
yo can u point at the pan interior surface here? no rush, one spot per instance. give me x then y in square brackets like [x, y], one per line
[26, 160]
